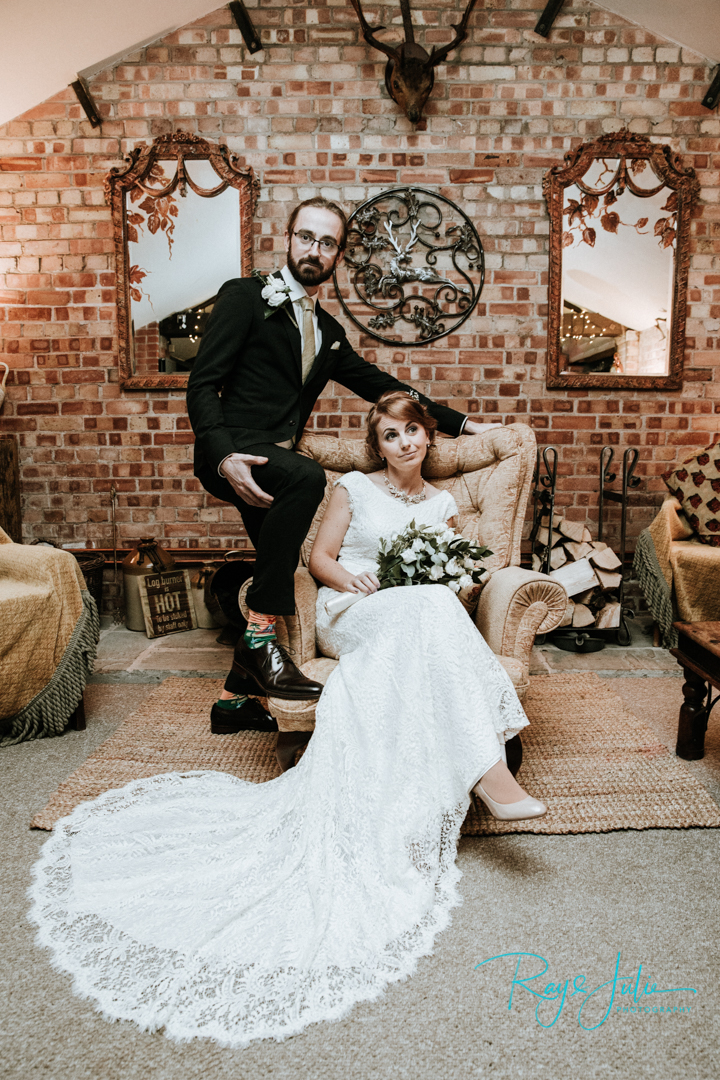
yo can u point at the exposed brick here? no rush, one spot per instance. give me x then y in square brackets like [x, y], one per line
[311, 113]
[472, 176]
[21, 164]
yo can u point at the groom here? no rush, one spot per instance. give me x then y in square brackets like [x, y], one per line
[267, 353]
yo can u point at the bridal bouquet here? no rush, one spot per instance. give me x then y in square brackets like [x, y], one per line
[425, 555]
[430, 555]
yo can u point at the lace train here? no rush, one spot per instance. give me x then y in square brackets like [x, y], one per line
[196, 990]
[209, 906]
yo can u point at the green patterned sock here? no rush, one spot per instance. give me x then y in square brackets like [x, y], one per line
[233, 702]
[260, 630]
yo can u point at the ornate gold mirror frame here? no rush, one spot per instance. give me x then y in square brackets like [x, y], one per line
[142, 194]
[620, 161]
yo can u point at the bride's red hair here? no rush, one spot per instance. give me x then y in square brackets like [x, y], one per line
[398, 405]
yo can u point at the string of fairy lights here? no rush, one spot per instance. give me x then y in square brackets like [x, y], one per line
[583, 326]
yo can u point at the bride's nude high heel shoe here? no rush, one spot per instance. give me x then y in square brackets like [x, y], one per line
[516, 811]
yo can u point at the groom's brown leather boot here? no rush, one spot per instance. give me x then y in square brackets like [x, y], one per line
[273, 672]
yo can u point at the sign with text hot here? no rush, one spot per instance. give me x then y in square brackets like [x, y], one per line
[167, 603]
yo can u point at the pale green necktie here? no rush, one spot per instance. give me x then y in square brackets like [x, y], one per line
[308, 352]
[308, 337]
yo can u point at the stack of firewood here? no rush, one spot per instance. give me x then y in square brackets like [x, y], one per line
[588, 570]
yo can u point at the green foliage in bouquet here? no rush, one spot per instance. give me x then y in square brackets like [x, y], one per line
[430, 555]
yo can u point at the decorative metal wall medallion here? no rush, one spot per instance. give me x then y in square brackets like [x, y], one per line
[414, 267]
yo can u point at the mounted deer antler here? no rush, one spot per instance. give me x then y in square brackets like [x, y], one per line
[409, 74]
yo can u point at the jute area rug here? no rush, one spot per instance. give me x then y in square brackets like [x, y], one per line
[596, 765]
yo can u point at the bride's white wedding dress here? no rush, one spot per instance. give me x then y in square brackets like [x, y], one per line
[210, 906]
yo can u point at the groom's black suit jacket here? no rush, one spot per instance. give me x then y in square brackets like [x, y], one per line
[246, 382]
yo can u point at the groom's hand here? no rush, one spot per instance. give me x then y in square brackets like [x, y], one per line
[473, 428]
[236, 470]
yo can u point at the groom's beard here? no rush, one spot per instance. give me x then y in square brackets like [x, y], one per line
[309, 270]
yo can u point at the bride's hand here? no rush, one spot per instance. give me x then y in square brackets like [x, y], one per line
[365, 583]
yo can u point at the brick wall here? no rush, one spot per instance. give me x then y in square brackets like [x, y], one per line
[146, 349]
[310, 113]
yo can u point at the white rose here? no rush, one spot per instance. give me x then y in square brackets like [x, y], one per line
[454, 586]
[418, 544]
[408, 555]
[453, 568]
[275, 295]
[469, 564]
[437, 572]
[448, 535]
[465, 582]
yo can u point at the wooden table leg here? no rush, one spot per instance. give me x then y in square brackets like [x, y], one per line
[693, 721]
[288, 744]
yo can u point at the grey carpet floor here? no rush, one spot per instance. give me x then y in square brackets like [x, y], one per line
[576, 901]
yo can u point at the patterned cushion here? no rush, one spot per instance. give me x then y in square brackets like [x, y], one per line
[696, 486]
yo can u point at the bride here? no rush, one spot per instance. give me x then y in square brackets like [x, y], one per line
[209, 906]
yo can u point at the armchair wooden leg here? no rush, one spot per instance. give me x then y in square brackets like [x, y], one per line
[77, 719]
[514, 753]
[288, 744]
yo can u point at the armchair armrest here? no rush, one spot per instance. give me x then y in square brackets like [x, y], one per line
[306, 593]
[514, 606]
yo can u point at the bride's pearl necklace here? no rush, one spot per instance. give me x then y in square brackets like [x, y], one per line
[409, 500]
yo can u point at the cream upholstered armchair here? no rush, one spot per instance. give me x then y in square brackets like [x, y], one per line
[489, 476]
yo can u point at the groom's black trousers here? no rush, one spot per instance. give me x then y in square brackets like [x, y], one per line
[297, 484]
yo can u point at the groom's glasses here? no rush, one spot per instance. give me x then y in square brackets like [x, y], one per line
[307, 240]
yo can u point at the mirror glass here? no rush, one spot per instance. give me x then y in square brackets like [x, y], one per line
[620, 212]
[180, 251]
[617, 274]
[182, 216]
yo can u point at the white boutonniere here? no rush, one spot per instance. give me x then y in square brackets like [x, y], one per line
[276, 295]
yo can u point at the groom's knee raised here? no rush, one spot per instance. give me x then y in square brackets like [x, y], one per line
[311, 477]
